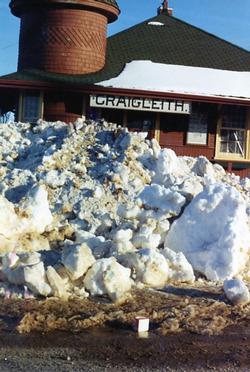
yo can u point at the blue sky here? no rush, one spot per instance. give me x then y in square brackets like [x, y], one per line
[228, 19]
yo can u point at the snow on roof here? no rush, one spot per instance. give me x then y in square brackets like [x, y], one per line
[156, 23]
[147, 75]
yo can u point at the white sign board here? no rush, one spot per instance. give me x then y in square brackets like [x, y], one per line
[197, 131]
[140, 104]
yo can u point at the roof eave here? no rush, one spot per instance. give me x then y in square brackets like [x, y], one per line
[97, 89]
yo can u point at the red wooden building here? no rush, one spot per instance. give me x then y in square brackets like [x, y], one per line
[64, 56]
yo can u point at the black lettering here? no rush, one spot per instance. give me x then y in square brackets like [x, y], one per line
[136, 103]
[155, 104]
[144, 105]
[179, 104]
[110, 99]
[100, 100]
[169, 105]
[162, 104]
[121, 101]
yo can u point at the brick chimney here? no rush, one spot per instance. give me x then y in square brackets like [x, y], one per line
[63, 36]
[164, 9]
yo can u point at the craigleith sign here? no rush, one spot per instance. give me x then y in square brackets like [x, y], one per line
[140, 104]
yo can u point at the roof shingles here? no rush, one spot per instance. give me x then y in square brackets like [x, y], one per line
[176, 42]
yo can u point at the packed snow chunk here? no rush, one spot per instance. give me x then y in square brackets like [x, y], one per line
[9, 221]
[77, 258]
[121, 242]
[128, 213]
[35, 279]
[58, 285]
[98, 245]
[33, 276]
[55, 179]
[36, 207]
[180, 269]
[150, 267]
[236, 291]
[170, 169]
[10, 260]
[160, 198]
[213, 233]
[146, 238]
[202, 167]
[122, 235]
[190, 187]
[108, 277]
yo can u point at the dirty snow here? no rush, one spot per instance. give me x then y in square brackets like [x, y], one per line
[91, 209]
[236, 291]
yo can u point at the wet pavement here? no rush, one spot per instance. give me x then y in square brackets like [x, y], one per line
[122, 350]
[191, 329]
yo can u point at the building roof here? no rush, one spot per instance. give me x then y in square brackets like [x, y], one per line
[189, 80]
[161, 39]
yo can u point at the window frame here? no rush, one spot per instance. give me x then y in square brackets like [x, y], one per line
[233, 156]
[24, 94]
[197, 110]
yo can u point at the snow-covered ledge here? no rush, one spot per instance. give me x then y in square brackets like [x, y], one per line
[147, 75]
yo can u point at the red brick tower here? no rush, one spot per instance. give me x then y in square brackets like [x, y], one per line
[63, 36]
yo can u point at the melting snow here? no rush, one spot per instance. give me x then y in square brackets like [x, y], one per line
[89, 208]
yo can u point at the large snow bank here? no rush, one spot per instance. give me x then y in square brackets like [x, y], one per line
[147, 75]
[213, 232]
[98, 203]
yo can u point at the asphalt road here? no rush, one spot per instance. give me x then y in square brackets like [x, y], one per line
[118, 350]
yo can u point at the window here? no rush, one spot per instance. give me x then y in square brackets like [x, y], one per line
[140, 121]
[198, 126]
[233, 131]
[31, 107]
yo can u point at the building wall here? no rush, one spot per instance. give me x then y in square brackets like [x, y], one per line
[63, 106]
[174, 130]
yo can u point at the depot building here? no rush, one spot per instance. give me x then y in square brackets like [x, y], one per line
[187, 88]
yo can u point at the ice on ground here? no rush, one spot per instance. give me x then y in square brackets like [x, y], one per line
[236, 291]
[213, 233]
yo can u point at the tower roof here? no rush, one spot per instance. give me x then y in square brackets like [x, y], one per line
[18, 6]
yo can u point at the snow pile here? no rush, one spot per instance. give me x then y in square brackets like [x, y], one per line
[213, 232]
[90, 208]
